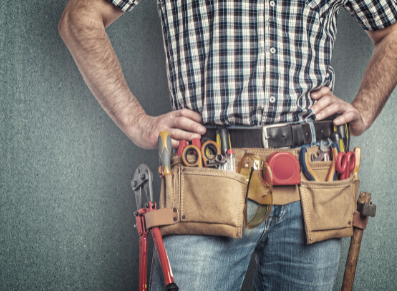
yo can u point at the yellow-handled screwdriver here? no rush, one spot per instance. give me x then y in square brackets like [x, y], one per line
[223, 140]
[165, 150]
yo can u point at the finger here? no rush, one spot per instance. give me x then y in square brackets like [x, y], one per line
[357, 126]
[175, 143]
[187, 124]
[178, 134]
[322, 103]
[329, 110]
[348, 116]
[318, 94]
[187, 113]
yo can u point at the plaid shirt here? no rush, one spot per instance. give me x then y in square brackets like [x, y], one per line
[253, 62]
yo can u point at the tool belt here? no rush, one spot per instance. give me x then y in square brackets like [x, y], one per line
[207, 201]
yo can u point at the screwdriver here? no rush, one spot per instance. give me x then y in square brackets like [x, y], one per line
[223, 139]
[336, 138]
[343, 130]
[165, 150]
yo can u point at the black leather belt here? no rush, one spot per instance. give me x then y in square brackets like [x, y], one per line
[275, 135]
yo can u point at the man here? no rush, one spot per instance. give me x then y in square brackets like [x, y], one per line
[246, 63]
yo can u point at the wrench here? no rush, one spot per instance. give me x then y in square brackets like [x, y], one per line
[325, 150]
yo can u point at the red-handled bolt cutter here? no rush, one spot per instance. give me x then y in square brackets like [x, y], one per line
[143, 179]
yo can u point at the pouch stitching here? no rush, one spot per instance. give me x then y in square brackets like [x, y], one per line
[320, 168]
[182, 187]
[261, 151]
[179, 187]
[216, 175]
[306, 214]
[173, 189]
[351, 204]
[322, 186]
[241, 213]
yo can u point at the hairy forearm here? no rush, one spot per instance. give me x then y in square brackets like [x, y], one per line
[85, 36]
[379, 80]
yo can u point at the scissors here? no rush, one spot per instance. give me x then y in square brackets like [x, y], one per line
[202, 154]
[345, 163]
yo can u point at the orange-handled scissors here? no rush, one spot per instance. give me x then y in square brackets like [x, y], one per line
[202, 155]
[197, 152]
[345, 163]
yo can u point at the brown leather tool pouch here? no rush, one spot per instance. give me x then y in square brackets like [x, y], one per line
[328, 207]
[209, 201]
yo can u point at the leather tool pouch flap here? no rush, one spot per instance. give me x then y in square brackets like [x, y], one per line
[328, 207]
[209, 201]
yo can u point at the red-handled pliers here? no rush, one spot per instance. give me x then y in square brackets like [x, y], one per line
[143, 179]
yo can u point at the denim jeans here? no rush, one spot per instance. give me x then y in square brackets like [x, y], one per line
[283, 260]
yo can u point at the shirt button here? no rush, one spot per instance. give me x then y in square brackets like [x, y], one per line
[272, 3]
[272, 99]
[273, 50]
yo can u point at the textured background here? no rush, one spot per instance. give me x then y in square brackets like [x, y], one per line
[66, 205]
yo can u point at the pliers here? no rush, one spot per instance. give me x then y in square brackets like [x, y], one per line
[143, 179]
[306, 169]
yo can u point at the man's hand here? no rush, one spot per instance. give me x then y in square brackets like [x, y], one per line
[328, 104]
[82, 27]
[181, 124]
[379, 80]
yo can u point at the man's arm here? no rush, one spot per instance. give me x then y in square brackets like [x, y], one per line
[82, 27]
[379, 81]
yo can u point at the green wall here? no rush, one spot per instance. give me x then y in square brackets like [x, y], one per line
[66, 205]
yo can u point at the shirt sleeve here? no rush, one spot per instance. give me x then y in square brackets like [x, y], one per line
[125, 5]
[373, 14]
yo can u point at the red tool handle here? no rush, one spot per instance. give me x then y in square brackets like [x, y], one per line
[182, 144]
[143, 262]
[345, 164]
[165, 264]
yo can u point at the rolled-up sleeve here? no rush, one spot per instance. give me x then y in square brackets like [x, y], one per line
[125, 5]
[373, 14]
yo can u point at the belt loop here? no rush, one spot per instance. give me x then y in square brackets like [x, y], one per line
[313, 131]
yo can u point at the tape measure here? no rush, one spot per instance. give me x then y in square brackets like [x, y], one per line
[285, 169]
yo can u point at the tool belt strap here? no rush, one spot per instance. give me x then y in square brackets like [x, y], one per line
[160, 217]
[360, 221]
[291, 135]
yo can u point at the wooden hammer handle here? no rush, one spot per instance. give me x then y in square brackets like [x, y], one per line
[354, 250]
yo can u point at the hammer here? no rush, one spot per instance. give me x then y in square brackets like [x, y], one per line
[365, 208]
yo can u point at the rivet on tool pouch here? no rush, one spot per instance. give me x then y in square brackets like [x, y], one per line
[285, 168]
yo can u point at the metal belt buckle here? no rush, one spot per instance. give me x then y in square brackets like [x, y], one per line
[265, 136]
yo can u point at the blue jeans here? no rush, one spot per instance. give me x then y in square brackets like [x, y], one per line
[283, 260]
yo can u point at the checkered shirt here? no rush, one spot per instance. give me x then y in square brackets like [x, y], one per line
[253, 62]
